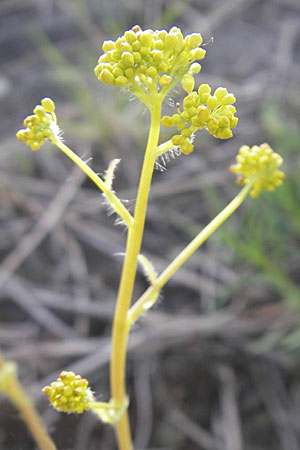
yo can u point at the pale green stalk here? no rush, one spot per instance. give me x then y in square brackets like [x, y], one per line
[146, 300]
[113, 200]
[120, 323]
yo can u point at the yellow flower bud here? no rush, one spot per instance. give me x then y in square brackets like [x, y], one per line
[224, 133]
[69, 393]
[228, 99]
[39, 111]
[193, 40]
[21, 135]
[108, 45]
[176, 119]
[212, 102]
[115, 55]
[148, 54]
[187, 148]
[130, 36]
[117, 72]
[212, 125]
[145, 51]
[197, 54]
[188, 82]
[151, 72]
[107, 77]
[35, 145]
[119, 42]
[165, 80]
[48, 105]
[163, 67]
[233, 122]
[121, 81]
[195, 68]
[186, 132]
[258, 165]
[127, 58]
[137, 57]
[126, 47]
[136, 46]
[167, 121]
[40, 126]
[146, 38]
[159, 45]
[204, 88]
[203, 114]
[177, 139]
[171, 42]
[184, 115]
[129, 72]
[224, 122]
[204, 97]
[97, 70]
[161, 34]
[142, 68]
[220, 93]
[189, 100]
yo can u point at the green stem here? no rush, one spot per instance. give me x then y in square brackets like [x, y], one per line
[12, 388]
[134, 240]
[163, 148]
[146, 300]
[114, 201]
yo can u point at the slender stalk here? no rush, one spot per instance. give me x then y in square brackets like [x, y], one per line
[114, 201]
[14, 391]
[134, 240]
[141, 305]
[163, 148]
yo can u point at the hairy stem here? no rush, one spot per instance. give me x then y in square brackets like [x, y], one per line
[114, 201]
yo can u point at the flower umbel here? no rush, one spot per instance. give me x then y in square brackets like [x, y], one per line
[258, 165]
[42, 125]
[203, 110]
[69, 393]
[149, 61]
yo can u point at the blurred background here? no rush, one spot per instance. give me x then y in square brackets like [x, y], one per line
[215, 366]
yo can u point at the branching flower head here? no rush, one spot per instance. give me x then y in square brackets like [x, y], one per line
[40, 126]
[149, 61]
[203, 110]
[258, 165]
[69, 393]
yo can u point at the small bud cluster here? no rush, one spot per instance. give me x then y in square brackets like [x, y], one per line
[258, 165]
[203, 110]
[69, 393]
[40, 126]
[149, 59]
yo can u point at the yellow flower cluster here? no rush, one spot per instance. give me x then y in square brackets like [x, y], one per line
[258, 165]
[69, 393]
[203, 110]
[149, 60]
[40, 126]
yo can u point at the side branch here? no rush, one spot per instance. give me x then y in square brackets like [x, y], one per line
[112, 198]
[150, 295]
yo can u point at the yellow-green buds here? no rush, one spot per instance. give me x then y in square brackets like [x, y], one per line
[40, 126]
[69, 393]
[202, 110]
[188, 82]
[258, 165]
[48, 105]
[150, 60]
